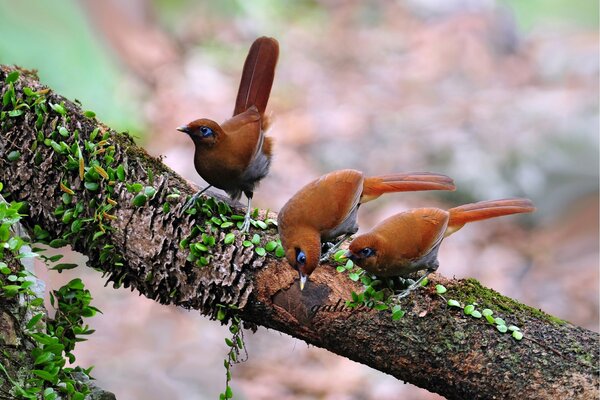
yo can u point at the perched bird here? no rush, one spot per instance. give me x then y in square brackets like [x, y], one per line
[236, 155]
[409, 241]
[327, 208]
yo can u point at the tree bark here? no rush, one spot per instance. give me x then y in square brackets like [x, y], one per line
[433, 346]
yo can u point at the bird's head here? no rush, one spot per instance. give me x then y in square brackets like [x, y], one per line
[303, 251]
[203, 131]
[365, 251]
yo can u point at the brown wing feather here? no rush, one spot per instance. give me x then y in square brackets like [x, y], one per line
[257, 76]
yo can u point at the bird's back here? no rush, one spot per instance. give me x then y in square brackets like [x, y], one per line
[412, 235]
[325, 203]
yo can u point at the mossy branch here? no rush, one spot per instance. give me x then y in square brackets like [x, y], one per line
[95, 190]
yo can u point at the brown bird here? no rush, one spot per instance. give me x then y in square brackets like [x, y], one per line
[409, 241]
[236, 155]
[326, 209]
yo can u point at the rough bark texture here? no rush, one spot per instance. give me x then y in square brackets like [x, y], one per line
[14, 343]
[433, 346]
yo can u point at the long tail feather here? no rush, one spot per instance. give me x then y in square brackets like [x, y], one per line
[375, 186]
[257, 76]
[461, 215]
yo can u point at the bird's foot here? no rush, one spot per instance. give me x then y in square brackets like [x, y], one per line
[247, 221]
[333, 249]
[246, 225]
[413, 286]
[192, 201]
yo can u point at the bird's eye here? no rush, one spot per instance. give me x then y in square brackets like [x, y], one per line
[367, 252]
[206, 131]
[301, 258]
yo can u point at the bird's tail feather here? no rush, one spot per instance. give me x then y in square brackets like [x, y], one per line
[375, 186]
[257, 76]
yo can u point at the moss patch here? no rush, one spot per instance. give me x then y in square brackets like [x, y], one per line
[470, 291]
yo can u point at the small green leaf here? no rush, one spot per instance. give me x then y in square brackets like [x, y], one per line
[261, 224]
[33, 321]
[63, 266]
[518, 335]
[476, 314]
[13, 155]
[228, 342]
[453, 303]
[121, 173]
[149, 191]
[44, 375]
[490, 319]
[487, 312]
[425, 282]
[227, 224]
[279, 252]
[340, 269]
[76, 225]
[200, 247]
[43, 358]
[440, 289]
[270, 246]
[58, 108]
[91, 186]
[502, 328]
[134, 187]
[57, 243]
[513, 328]
[499, 321]
[89, 114]
[246, 243]
[139, 200]
[468, 310]
[354, 276]
[338, 255]
[12, 77]
[255, 239]
[229, 238]
[260, 251]
[63, 131]
[397, 312]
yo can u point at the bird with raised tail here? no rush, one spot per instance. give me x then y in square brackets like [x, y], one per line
[409, 241]
[326, 209]
[235, 155]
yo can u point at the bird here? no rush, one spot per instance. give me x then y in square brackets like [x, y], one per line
[408, 242]
[326, 209]
[235, 155]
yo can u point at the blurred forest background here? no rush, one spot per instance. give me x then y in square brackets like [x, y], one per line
[501, 95]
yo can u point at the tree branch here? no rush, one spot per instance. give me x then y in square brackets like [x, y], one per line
[137, 244]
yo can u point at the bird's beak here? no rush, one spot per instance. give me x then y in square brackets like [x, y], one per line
[303, 279]
[347, 254]
[184, 129]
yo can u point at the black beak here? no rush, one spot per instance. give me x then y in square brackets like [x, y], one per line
[184, 129]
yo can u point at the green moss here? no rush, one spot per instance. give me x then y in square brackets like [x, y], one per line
[471, 291]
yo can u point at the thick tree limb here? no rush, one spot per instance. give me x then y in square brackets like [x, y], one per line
[433, 346]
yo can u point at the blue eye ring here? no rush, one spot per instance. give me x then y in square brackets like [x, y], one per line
[367, 252]
[301, 258]
[206, 131]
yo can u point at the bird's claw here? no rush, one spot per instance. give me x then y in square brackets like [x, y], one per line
[190, 203]
[246, 226]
